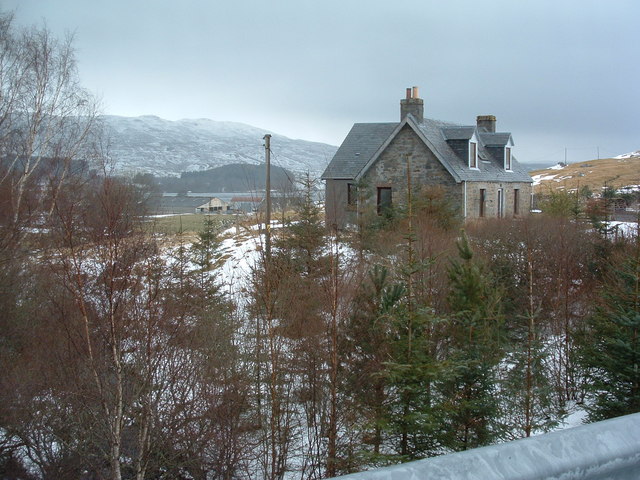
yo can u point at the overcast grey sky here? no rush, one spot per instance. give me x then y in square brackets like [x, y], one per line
[557, 74]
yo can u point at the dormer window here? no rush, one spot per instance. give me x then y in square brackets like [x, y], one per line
[507, 158]
[473, 155]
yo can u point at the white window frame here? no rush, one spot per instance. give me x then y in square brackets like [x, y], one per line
[473, 140]
[508, 148]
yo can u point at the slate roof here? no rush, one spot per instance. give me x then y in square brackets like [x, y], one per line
[457, 132]
[498, 139]
[361, 143]
[366, 141]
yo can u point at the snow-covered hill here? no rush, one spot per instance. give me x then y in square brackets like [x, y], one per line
[150, 144]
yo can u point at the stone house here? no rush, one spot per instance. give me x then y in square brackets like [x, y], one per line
[473, 165]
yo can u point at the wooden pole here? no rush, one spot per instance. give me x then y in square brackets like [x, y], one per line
[267, 153]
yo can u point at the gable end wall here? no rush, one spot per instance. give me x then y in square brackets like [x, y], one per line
[390, 170]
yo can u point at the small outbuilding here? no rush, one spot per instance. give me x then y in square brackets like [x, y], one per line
[214, 205]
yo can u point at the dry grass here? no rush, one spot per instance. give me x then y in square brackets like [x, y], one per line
[190, 224]
[595, 174]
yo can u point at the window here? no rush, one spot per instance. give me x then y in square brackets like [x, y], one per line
[516, 201]
[507, 158]
[483, 199]
[500, 202]
[473, 155]
[352, 194]
[384, 199]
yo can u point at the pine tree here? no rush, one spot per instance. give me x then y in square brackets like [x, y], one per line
[527, 392]
[412, 367]
[610, 347]
[368, 335]
[470, 407]
[205, 246]
[304, 238]
[412, 412]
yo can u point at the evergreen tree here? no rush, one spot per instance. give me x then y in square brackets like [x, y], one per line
[526, 393]
[610, 347]
[470, 407]
[304, 238]
[206, 244]
[412, 367]
[368, 338]
[412, 412]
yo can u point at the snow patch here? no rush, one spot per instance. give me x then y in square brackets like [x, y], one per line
[623, 229]
[537, 179]
[635, 154]
[558, 166]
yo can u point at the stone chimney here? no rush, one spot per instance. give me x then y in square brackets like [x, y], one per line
[486, 123]
[412, 104]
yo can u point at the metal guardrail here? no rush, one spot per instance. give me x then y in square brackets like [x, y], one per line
[603, 450]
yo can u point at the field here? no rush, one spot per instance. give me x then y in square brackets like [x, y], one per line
[188, 224]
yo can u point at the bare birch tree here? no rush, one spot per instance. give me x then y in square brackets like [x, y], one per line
[46, 117]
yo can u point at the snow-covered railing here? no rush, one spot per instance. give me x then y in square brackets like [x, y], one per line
[604, 450]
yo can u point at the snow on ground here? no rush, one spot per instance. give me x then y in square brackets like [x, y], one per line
[624, 229]
[629, 189]
[576, 417]
[556, 177]
[240, 251]
[558, 166]
[537, 179]
[628, 155]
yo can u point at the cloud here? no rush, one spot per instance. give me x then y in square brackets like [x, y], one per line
[550, 71]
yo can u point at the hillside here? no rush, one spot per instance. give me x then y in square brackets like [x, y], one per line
[150, 144]
[617, 172]
[227, 178]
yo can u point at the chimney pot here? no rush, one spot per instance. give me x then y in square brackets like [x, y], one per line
[408, 93]
[415, 93]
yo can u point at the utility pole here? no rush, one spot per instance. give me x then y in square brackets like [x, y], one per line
[267, 154]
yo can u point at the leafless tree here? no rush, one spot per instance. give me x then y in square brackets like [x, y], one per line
[46, 117]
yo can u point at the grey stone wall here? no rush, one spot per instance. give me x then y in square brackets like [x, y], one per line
[390, 170]
[491, 199]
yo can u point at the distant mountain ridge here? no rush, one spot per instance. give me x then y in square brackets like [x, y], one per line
[149, 144]
[228, 178]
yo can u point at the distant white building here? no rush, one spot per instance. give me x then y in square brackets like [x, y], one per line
[214, 205]
[247, 203]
